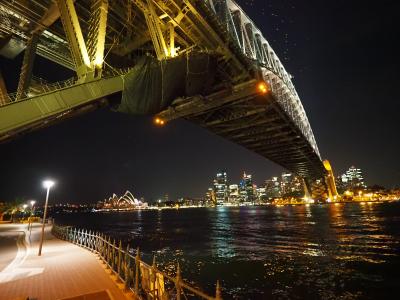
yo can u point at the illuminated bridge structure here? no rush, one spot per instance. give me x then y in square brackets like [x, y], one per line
[251, 101]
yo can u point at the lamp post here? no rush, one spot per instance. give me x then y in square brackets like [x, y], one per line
[30, 218]
[46, 184]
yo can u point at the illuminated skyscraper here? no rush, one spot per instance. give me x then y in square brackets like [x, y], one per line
[247, 190]
[234, 195]
[291, 185]
[261, 194]
[286, 180]
[272, 188]
[221, 188]
[352, 179]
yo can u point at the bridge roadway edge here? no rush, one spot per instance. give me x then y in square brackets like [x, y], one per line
[67, 271]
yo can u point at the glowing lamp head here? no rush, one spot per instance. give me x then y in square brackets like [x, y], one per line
[25, 206]
[48, 184]
[262, 88]
[33, 202]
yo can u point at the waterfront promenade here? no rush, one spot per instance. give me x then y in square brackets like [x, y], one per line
[64, 271]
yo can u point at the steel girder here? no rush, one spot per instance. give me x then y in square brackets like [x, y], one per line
[217, 26]
[21, 115]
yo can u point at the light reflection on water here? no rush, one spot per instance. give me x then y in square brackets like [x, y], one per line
[291, 252]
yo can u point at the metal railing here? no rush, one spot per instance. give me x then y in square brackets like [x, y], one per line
[144, 280]
[47, 87]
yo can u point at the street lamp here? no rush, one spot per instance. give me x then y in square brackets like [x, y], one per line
[30, 218]
[24, 209]
[46, 184]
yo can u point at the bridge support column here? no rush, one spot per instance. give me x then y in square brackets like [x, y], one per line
[153, 23]
[27, 66]
[74, 35]
[88, 58]
[3, 91]
[97, 34]
[330, 181]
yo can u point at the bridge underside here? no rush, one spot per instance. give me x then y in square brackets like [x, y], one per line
[255, 121]
[96, 38]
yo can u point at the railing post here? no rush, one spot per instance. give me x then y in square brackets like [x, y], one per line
[113, 256]
[74, 237]
[178, 282]
[97, 242]
[119, 262]
[153, 278]
[137, 262]
[218, 291]
[127, 269]
[108, 242]
[103, 247]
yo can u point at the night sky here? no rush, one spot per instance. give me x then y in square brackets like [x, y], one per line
[345, 61]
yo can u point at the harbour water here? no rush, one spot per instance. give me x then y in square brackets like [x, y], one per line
[346, 251]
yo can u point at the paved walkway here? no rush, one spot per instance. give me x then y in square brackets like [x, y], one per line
[63, 271]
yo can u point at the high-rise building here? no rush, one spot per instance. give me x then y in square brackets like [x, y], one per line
[261, 194]
[272, 188]
[210, 197]
[234, 195]
[352, 179]
[286, 180]
[221, 188]
[291, 185]
[247, 190]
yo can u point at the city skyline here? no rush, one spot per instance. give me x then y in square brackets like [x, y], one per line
[101, 152]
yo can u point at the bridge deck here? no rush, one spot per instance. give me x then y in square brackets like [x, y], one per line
[253, 121]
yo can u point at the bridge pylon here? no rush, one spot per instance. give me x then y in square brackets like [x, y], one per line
[330, 181]
[324, 189]
[88, 55]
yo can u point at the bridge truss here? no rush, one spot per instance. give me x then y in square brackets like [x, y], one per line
[97, 38]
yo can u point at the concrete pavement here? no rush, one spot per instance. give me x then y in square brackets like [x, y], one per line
[10, 236]
[63, 271]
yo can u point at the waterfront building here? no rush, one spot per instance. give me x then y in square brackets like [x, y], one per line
[210, 197]
[221, 188]
[351, 179]
[247, 190]
[296, 186]
[290, 185]
[261, 194]
[286, 179]
[272, 188]
[234, 195]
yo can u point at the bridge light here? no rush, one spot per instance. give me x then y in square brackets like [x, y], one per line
[159, 121]
[262, 88]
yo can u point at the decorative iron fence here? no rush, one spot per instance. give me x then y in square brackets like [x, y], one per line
[145, 281]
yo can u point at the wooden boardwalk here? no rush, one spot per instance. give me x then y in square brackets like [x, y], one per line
[63, 271]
